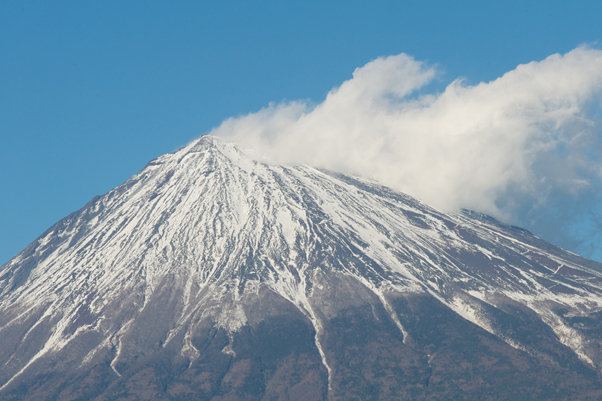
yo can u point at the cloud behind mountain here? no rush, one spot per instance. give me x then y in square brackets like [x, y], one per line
[524, 147]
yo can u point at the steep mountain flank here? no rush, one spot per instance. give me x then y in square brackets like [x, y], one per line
[212, 276]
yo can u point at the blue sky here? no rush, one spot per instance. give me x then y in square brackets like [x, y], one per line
[92, 91]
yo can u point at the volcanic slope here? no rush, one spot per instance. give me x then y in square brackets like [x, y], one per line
[212, 276]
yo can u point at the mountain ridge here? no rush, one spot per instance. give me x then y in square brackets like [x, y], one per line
[208, 240]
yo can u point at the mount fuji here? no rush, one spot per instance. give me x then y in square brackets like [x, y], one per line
[212, 276]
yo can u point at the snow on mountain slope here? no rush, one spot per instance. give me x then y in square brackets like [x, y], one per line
[218, 226]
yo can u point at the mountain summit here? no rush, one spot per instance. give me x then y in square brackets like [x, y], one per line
[212, 276]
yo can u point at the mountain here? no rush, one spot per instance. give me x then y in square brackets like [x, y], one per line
[212, 276]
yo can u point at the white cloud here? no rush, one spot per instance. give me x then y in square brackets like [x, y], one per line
[500, 147]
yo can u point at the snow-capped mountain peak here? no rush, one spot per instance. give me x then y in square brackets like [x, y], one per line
[203, 234]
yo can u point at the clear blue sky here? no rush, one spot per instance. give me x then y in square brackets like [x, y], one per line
[91, 91]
